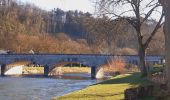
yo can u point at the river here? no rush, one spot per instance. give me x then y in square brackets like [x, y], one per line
[41, 88]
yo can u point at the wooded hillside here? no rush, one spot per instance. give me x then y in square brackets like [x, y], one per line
[24, 27]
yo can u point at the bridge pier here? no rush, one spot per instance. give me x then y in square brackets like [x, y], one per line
[3, 70]
[93, 72]
[46, 70]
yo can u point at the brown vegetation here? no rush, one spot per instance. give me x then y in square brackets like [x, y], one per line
[23, 43]
[115, 66]
[24, 27]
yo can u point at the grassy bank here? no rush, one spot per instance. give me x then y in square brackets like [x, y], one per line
[112, 89]
[75, 69]
[69, 70]
[33, 70]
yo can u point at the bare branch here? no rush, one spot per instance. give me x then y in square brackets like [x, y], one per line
[149, 13]
[154, 31]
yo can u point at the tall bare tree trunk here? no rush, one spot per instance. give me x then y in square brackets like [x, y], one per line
[167, 41]
[142, 60]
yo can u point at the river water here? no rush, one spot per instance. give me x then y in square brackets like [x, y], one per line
[41, 88]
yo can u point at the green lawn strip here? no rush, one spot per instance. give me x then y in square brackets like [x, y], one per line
[112, 89]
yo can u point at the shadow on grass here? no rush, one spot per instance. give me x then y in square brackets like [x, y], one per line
[133, 79]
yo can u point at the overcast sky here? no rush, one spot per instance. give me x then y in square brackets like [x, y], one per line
[81, 5]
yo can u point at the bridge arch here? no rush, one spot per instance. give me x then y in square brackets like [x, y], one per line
[15, 68]
[56, 69]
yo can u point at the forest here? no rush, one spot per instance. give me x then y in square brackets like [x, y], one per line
[25, 27]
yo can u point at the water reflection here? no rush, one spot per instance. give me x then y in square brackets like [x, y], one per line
[39, 87]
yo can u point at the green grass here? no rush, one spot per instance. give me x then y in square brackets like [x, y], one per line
[112, 89]
[158, 65]
[157, 68]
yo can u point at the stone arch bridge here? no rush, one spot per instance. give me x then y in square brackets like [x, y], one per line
[49, 60]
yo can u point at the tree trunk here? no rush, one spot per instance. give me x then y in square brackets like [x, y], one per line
[167, 41]
[142, 60]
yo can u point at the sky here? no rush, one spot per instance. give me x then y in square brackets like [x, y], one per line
[81, 5]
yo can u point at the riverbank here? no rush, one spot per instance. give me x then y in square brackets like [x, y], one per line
[112, 89]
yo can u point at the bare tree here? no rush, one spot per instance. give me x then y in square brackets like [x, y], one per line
[137, 13]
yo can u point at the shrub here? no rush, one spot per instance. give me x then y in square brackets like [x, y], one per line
[115, 66]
